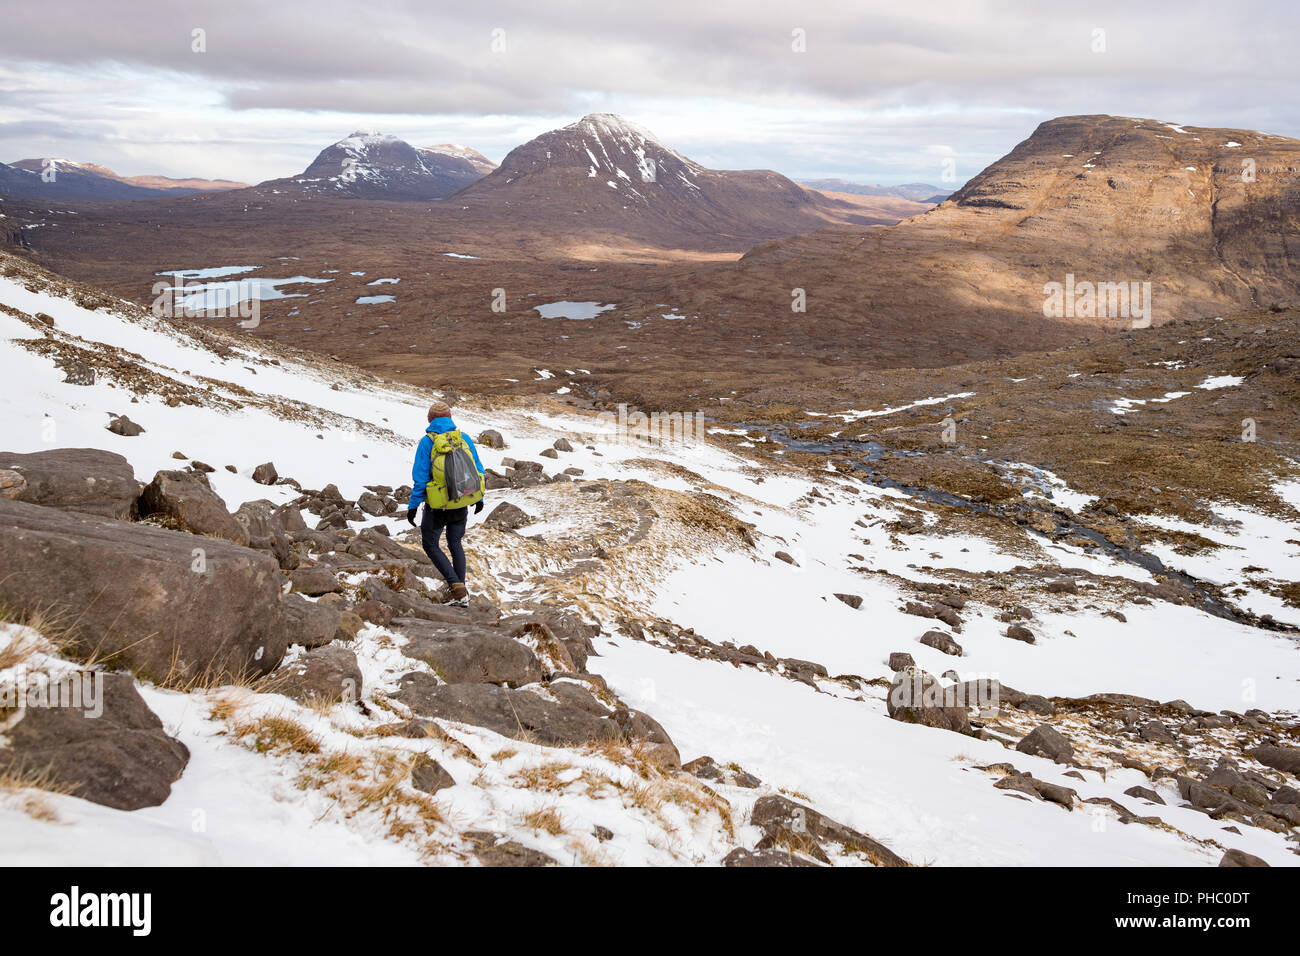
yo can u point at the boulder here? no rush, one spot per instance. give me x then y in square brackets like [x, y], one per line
[309, 623]
[350, 625]
[469, 653]
[1240, 858]
[941, 642]
[112, 751]
[121, 425]
[1155, 731]
[900, 660]
[507, 517]
[774, 812]
[1286, 796]
[640, 726]
[512, 713]
[190, 502]
[491, 438]
[404, 603]
[511, 853]
[265, 533]
[1144, 793]
[374, 612]
[75, 479]
[771, 856]
[852, 600]
[1279, 758]
[562, 444]
[429, 776]
[985, 692]
[314, 581]
[917, 697]
[162, 603]
[575, 634]
[328, 674]
[265, 474]
[1018, 632]
[290, 518]
[1046, 741]
[706, 768]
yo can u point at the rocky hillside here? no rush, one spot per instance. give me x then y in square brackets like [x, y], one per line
[373, 165]
[708, 652]
[1208, 219]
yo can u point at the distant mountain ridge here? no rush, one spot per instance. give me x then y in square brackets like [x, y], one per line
[64, 180]
[917, 192]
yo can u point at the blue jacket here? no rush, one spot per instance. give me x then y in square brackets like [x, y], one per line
[423, 464]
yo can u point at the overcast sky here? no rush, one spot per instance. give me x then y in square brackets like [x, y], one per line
[881, 92]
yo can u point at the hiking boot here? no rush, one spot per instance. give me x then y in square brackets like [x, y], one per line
[459, 595]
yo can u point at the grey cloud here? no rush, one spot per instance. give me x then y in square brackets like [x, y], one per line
[972, 75]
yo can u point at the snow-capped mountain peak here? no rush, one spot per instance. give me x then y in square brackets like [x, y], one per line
[370, 164]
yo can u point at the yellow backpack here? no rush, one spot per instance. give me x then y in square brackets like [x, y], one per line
[454, 479]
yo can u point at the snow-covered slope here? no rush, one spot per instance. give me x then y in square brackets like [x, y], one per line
[680, 536]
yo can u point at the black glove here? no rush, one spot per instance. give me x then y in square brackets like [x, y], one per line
[410, 516]
[478, 506]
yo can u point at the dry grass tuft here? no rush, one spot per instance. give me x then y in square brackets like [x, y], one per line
[547, 819]
[277, 735]
[544, 777]
[28, 790]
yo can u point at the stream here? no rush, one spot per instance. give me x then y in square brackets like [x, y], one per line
[863, 453]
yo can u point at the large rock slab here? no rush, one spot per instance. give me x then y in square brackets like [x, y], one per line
[511, 713]
[1279, 758]
[88, 480]
[469, 653]
[167, 605]
[112, 750]
[186, 498]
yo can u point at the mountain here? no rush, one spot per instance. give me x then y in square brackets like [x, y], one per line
[76, 182]
[1135, 221]
[374, 165]
[433, 155]
[604, 173]
[917, 192]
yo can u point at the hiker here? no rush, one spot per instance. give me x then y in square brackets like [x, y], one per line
[447, 477]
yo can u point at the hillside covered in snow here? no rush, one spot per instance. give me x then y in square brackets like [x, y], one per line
[677, 652]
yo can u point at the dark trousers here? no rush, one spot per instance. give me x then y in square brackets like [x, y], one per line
[431, 528]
